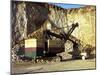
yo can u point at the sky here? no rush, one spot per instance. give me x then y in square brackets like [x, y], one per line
[67, 6]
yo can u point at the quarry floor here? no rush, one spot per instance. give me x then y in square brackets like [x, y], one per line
[67, 65]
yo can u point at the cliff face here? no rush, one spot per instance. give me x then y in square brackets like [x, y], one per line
[86, 17]
[28, 17]
[37, 13]
[59, 17]
[19, 22]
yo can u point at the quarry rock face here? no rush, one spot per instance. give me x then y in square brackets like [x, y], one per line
[19, 22]
[59, 17]
[37, 13]
[29, 17]
[86, 17]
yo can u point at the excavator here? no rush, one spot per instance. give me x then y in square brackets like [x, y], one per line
[48, 47]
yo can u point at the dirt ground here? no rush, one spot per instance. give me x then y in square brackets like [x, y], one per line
[67, 65]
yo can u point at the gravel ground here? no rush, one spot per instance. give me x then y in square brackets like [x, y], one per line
[29, 67]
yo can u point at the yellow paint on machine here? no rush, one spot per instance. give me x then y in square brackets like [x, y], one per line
[30, 43]
[34, 43]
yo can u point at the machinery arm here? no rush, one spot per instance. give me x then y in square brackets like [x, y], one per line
[72, 29]
[64, 36]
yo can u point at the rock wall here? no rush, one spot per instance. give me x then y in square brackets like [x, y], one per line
[19, 21]
[59, 17]
[86, 17]
[37, 13]
[28, 17]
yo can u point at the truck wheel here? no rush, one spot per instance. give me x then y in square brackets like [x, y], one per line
[83, 57]
[58, 59]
